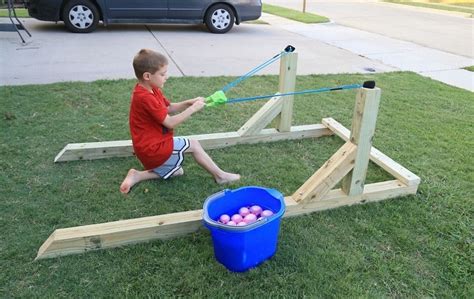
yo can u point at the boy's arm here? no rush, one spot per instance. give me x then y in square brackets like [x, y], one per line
[181, 106]
[172, 121]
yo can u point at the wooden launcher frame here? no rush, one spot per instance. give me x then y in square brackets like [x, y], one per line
[349, 164]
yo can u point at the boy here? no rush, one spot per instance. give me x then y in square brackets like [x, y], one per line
[152, 120]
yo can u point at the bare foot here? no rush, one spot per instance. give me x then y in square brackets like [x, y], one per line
[130, 180]
[227, 178]
[178, 172]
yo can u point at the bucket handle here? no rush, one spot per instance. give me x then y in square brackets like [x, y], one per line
[275, 193]
[212, 198]
[236, 228]
[214, 223]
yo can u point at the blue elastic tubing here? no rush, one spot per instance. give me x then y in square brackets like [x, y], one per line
[253, 71]
[343, 87]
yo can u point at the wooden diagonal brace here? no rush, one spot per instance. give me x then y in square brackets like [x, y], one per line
[326, 177]
[386, 163]
[262, 117]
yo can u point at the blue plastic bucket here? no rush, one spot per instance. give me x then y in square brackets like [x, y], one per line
[240, 248]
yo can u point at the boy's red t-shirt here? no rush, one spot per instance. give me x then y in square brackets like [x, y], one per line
[152, 142]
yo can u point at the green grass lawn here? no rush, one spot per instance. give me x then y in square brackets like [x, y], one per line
[295, 15]
[470, 68]
[459, 7]
[20, 12]
[256, 22]
[416, 246]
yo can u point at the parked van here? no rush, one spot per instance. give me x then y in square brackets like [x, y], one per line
[83, 16]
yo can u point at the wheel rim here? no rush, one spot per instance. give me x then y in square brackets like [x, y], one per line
[81, 17]
[220, 19]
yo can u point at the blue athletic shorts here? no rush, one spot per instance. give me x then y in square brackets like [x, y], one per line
[175, 160]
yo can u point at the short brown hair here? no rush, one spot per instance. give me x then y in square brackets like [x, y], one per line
[148, 60]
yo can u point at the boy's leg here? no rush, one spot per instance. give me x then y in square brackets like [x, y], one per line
[135, 176]
[203, 159]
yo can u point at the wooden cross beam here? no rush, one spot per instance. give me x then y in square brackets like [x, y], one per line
[81, 239]
[123, 148]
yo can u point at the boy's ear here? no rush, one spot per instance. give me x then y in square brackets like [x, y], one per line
[146, 76]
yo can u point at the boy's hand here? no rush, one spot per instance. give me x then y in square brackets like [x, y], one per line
[198, 104]
[192, 101]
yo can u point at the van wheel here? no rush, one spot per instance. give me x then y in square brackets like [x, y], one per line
[219, 18]
[80, 16]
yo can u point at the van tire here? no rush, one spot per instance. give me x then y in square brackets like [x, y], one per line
[219, 18]
[80, 16]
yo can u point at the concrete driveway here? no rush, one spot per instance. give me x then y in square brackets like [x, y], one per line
[450, 32]
[55, 55]
[433, 43]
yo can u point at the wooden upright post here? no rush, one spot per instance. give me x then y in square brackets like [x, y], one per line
[363, 129]
[288, 65]
[278, 108]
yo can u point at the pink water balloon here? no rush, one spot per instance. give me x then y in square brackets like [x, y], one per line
[243, 223]
[224, 218]
[236, 218]
[231, 223]
[250, 218]
[267, 213]
[244, 211]
[256, 210]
